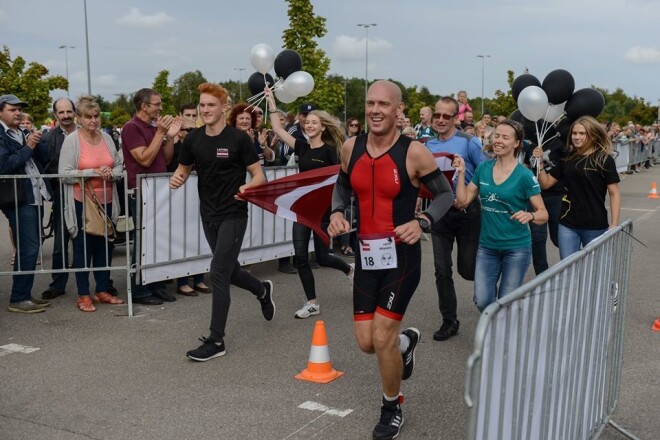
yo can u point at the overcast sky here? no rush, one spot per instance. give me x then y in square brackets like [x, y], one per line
[607, 43]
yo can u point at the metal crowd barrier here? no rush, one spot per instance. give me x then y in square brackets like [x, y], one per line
[46, 208]
[633, 153]
[547, 358]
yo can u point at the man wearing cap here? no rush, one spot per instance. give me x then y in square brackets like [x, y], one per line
[297, 130]
[21, 154]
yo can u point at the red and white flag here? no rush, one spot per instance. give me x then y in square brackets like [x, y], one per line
[306, 197]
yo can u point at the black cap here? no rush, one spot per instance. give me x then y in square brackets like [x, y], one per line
[11, 99]
[306, 108]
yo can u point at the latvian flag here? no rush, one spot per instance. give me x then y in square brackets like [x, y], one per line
[306, 197]
[303, 197]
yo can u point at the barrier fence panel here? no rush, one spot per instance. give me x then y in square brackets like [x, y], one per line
[171, 238]
[59, 185]
[547, 358]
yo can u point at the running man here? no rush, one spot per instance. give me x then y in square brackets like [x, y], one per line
[384, 170]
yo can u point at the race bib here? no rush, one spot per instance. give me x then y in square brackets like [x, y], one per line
[378, 253]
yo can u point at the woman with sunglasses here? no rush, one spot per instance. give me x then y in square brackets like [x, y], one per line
[183, 284]
[504, 187]
[325, 139]
[353, 127]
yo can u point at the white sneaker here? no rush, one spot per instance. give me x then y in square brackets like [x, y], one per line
[308, 309]
[351, 274]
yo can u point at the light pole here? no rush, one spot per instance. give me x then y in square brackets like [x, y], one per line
[483, 58]
[89, 77]
[66, 61]
[345, 96]
[366, 27]
[240, 82]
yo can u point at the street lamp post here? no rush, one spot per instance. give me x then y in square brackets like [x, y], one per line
[89, 76]
[483, 58]
[366, 27]
[240, 82]
[66, 61]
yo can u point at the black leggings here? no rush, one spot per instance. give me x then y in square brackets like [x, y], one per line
[301, 236]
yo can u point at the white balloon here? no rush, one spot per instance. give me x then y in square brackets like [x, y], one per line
[533, 103]
[284, 96]
[299, 83]
[262, 58]
[554, 112]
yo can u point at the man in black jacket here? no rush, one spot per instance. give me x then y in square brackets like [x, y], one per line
[64, 111]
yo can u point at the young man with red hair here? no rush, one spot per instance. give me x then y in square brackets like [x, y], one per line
[221, 155]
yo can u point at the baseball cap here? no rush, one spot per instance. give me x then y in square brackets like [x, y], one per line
[11, 99]
[306, 108]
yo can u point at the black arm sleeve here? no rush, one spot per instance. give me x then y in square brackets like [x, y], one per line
[341, 195]
[443, 197]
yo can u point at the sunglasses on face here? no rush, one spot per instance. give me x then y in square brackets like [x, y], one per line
[352, 125]
[444, 116]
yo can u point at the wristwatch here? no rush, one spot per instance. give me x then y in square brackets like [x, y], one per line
[424, 224]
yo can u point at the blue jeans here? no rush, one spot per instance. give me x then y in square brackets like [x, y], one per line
[493, 264]
[570, 239]
[540, 232]
[91, 251]
[25, 224]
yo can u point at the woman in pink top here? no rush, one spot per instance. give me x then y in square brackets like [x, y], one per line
[89, 155]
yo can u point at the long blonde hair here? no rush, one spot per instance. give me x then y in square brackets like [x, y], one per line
[334, 133]
[597, 142]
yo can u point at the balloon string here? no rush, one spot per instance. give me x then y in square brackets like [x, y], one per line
[278, 85]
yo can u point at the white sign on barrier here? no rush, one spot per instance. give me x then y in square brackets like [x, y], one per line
[172, 237]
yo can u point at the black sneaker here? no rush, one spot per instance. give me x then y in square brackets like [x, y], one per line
[267, 303]
[409, 356]
[391, 421]
[447, 330]
[207, 351]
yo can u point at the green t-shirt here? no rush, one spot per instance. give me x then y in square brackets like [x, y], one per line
[499, 202]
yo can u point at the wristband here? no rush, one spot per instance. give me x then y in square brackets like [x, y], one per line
[533, 216]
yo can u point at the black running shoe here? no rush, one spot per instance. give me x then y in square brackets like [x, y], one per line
[391, 421]
[267, 303]
[207, 351]
[447, 330]
[409, 356]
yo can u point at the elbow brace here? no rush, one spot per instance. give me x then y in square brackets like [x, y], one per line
[443, 197]
[341, 194]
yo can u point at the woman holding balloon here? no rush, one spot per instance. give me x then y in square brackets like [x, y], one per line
[325, 139]
[589, 173]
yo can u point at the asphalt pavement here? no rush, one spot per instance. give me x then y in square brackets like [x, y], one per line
[72, 375]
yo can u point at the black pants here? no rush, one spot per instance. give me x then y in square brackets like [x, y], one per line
[301, 235]
[61, 241]
[464, 227]
[540, 232]
[225, 239]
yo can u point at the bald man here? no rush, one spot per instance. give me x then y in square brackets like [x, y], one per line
[388, 260]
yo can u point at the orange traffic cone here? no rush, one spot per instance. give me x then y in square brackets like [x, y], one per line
[319, 368]
[656, 325]
[653, 194]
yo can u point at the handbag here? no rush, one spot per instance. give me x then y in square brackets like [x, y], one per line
[97, 222]
[8, 198]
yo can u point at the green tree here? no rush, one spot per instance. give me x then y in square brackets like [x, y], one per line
[118, 117]
[123, 102]
[185, 88]
[304, 27]
[161, 85]
[30, 84]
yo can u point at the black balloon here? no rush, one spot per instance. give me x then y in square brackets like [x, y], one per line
[558, 85]
[585, 102]
[256, 82]
[524, 80]
[287, 62]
